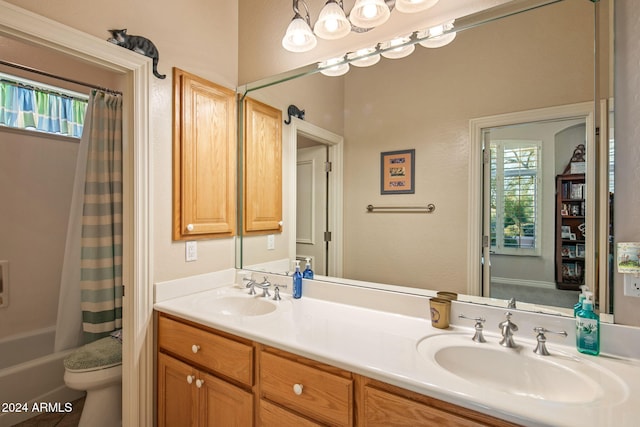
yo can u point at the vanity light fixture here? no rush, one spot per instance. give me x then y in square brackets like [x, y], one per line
[332, 23]
[332, 70]
[437, 36]
[399, 52]
[369, 13]
[299, 37]
[412, 6]
[364, 57]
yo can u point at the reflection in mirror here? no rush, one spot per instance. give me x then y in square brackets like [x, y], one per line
[426, 102]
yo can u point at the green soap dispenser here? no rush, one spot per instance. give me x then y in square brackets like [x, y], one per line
[588, 328]
[578, 306]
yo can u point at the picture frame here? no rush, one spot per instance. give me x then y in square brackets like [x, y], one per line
[572, 236]
[397, 172]
[580, 250]
[566, 231]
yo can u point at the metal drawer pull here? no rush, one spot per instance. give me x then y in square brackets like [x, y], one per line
[195, 348]
[297, 389]
[190, 378]
[189, 227]
[199, 383]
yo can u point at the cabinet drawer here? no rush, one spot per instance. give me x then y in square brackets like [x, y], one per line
[325, 397]
[272, 415]
[218, 354]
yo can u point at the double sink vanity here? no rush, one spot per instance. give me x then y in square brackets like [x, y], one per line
[353, 355]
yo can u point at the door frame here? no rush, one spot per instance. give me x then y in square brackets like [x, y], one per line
[137, 349]
[335, 143]
[584, 110]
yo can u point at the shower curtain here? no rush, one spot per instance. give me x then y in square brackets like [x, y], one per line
[90, 303]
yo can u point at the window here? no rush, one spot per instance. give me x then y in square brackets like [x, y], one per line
[25, 104]
[515, 197]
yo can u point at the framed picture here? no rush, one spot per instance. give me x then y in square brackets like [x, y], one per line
[397, 172]
[580, 250]
[572, 236]
[566, 231]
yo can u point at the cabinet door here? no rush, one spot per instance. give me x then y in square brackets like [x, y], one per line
[177, 395]
[262, 168]
[224, 405]
[203, 158]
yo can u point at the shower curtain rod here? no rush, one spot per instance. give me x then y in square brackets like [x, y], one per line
[44, 73]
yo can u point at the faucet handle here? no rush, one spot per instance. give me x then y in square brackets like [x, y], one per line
[477, 337]
[541, 347]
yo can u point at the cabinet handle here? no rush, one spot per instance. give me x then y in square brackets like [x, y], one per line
[195, 348]
[199, 383]
[297, 389]
[190, 378]
[189, 227]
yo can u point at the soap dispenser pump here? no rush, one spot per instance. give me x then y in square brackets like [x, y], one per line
[297, 281]
[578, 306]
[588, 328]
[308, 272]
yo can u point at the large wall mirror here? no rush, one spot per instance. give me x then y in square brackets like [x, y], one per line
[525, 89]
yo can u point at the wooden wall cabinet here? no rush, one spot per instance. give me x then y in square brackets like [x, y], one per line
[204, 167]
[262, 168]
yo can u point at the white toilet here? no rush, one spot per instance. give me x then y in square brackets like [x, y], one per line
[97, 368]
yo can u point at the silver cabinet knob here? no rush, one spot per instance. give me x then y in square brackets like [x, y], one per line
[199, 383]
[297, 389]
[189, 227]
[190, 378]
[195, 348]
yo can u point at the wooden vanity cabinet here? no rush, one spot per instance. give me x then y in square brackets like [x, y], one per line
[210, 378]
[204, 154]
[205, 377]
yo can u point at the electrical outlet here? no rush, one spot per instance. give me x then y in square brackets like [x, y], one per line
[631, 285]
[191, 251]
[271, 242]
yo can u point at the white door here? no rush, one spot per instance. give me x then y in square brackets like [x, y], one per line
[311, 215]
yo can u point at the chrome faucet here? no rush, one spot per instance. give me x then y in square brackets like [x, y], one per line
[541, 347]
[265, 285]
[477, 337]
[512, 303]
[251, 285]
[508, 328]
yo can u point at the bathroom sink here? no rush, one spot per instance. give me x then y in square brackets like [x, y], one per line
[560, 377]
[236, 305]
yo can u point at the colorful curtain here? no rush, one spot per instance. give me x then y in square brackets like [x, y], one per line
[26, 107]
[101, 253]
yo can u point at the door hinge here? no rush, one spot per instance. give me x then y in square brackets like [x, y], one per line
[327, 166]
[327, 236]
[485, 241]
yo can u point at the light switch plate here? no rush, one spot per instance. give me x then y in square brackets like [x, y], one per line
[271, 242]
[191, 251]
[631, 285]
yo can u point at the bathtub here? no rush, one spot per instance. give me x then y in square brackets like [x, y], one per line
[31, 373]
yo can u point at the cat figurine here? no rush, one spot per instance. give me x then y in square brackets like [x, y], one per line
[294, 111]
[137, 44]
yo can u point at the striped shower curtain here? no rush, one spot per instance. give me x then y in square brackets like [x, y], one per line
[101, 249]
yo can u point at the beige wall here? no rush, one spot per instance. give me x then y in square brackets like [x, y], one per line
[199, 37]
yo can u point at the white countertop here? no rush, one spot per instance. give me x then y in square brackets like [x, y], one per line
[383, 345]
